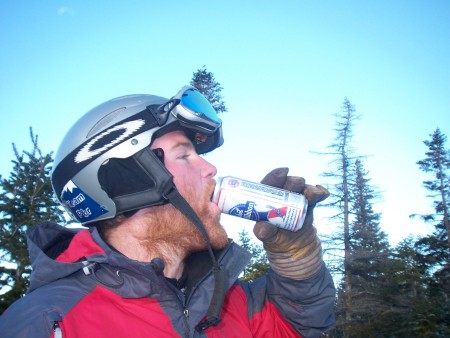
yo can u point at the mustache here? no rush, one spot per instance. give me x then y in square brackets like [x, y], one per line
[204, 196]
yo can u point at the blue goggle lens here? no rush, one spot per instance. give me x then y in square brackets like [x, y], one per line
[195, 101]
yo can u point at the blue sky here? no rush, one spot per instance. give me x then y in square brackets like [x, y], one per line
[285, 66]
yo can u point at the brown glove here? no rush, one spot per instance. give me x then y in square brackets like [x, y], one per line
[296, 255]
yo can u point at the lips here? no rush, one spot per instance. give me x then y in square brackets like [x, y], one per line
[213, 186]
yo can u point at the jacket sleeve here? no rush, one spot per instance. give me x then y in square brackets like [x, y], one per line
[28, 319]
[307, 305]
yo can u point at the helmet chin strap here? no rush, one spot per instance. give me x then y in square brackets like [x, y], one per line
[220, 274]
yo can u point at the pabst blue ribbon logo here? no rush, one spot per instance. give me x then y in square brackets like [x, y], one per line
[246, 211]
[89, 150]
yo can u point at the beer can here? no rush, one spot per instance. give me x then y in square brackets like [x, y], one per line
[260, 202]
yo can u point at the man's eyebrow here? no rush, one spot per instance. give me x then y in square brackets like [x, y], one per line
[187, 145]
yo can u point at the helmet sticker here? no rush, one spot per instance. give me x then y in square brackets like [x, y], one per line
[103, 142]
[83, 207]
[91, 149]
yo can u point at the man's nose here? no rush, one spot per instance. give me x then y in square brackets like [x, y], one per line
[208, 170]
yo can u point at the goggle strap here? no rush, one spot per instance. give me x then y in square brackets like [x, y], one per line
[159, 113]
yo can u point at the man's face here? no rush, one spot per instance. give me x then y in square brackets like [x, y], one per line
[193, 177]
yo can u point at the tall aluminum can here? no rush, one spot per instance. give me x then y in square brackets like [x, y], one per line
[260, 202]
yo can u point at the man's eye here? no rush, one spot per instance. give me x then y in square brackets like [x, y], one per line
[183, 156]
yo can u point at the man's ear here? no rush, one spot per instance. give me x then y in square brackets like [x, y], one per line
[159, 154]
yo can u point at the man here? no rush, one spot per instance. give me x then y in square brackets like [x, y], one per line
[154, 260]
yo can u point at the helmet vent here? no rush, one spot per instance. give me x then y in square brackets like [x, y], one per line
[104, 122]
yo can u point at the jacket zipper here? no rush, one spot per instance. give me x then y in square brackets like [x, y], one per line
[188, 297]
[185, 298]
[182, 302]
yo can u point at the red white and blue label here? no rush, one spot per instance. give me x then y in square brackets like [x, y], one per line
[83, 207]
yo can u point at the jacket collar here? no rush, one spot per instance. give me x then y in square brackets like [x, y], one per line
[57, 252]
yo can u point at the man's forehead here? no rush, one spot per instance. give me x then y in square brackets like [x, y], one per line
[174, 139]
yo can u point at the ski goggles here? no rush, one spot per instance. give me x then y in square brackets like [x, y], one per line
[193, 111]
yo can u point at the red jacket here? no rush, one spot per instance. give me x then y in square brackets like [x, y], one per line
[80, 287]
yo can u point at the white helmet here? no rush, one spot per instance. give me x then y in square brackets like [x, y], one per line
[104, 166]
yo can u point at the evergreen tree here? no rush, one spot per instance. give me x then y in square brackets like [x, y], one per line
[369, 245]
[259, 264]
[435, 248]
[405, 291]
[340, 199]
[437, 162]
[369, 251]
[204, 81]
[26, 198]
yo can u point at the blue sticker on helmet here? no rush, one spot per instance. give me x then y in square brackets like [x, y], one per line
[83, 207]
